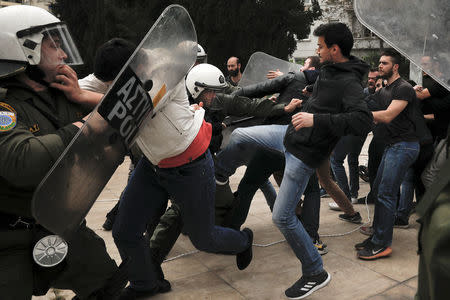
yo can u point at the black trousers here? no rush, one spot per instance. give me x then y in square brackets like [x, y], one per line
[85, 270]
[376, 149]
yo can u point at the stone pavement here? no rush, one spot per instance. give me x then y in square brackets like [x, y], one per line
[198, 275]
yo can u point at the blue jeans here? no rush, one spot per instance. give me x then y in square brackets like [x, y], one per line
[394, 164]
[192, 187]
[295, 178]
[262, 165]
[349, 146]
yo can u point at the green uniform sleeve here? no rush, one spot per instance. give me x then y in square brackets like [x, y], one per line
[26, 158]
[242, 106]
[434, 263]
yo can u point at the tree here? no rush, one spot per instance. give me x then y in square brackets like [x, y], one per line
[224, 27]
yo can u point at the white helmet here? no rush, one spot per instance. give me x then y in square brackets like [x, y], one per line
[22, 29]
[202, 57]
[204, 76]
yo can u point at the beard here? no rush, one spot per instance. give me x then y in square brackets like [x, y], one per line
[233, 73]
[387, 74]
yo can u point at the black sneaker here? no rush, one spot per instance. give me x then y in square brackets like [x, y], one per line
[399, 223]
[372, 251]
[108, 225]
[362, 200]
[356, 218]
[363, 244]
[307, 285]
[244, 258]
[364, 173]
[321, 247]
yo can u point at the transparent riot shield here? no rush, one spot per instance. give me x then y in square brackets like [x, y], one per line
[160, 62]
[419, 30]
[260, 64]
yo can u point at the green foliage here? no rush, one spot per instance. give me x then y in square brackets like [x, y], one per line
[224, 27]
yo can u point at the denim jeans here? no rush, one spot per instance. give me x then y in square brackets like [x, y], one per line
[349, 146]
[261, 166]
[295, 178]
[192, 187]
[396, 161]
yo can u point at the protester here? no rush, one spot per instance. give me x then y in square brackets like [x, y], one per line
[397, 127]
[204, 84]
[234, 71]
[183, 171]
[265, 162]
[306, 142]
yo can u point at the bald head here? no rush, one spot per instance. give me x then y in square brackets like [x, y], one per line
[233, 66]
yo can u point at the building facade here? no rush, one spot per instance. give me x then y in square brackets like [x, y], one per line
[367, 44]
[40, 3]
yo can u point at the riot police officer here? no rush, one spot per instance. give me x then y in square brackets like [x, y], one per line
[40, 114]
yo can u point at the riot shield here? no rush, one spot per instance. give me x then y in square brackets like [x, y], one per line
[260, 64]
[160, 62]
[419, 30]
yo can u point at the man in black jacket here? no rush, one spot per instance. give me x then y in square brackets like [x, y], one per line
[265, 162]
[335, 108]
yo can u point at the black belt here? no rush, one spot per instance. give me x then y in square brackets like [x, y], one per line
[9, 221]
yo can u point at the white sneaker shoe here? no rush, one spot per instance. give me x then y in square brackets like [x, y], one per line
[334, 206]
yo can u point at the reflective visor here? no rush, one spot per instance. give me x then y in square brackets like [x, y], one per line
[56, 37]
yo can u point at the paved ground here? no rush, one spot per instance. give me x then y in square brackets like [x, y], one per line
[198, 275]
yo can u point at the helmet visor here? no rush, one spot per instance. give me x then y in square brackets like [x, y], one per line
[57, 46]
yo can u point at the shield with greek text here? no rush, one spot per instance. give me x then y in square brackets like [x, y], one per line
[163, 58]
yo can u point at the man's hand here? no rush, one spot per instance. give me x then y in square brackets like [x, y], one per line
[418, 88]
[67, 82]
[274, 74]
[273, 98]
[197, 106]
[302, 119]
[429, 117]
[295, 103]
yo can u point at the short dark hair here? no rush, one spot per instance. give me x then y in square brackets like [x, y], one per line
[373, 70]
[395, 57]
[314, 61]
[110, 58]
[336, 34]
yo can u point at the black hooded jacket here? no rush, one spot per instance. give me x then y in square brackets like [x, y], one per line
[339, 109]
